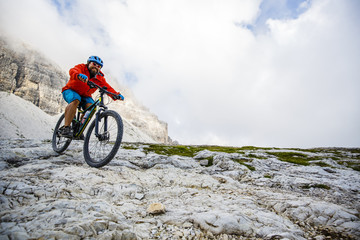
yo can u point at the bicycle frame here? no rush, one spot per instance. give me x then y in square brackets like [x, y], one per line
[93, 108]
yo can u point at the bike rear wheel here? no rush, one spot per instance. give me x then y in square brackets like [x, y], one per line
[100, 150]
[59, 143]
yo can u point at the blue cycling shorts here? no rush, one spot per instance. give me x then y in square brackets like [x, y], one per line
[70, 96]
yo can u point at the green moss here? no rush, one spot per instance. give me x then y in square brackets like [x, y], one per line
[244, 162]
[322, 164]
[353, 150]
[180, 150]
[347, 157]
[354, 164]
[210, 160]
[254, 148]
[191, 151]
[219, 149]
[129, 147]
[187, 151]
[322, 186]
[292, 157]
[251, 155]
[356, 167]
[251, 168]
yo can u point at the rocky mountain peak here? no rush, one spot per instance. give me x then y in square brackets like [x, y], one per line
[29, 75]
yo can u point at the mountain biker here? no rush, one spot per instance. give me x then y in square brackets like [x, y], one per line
[77, 92]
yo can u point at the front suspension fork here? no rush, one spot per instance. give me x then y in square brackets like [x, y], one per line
[100, 136]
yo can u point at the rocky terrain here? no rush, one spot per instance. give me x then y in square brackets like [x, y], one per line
[154, 191]
[28, 74]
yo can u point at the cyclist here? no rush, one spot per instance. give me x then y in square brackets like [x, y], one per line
[76, 92]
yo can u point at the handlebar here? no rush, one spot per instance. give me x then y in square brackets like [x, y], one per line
[101, 89]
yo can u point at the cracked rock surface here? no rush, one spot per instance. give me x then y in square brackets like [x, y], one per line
[51, 196]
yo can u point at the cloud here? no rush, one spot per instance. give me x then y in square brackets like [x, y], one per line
[201, 68]
[277, 9]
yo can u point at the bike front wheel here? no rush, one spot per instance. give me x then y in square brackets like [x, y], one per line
[59, 143]
[101, 149]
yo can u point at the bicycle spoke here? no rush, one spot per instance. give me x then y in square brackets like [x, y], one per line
[99, 150]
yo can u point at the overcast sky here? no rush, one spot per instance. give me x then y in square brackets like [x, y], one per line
[275, 73]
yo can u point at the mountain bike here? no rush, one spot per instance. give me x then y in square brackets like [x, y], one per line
[104, 136]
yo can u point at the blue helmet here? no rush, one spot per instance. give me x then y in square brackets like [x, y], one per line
[96, 59]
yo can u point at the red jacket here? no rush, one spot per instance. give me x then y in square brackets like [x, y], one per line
[82, 88]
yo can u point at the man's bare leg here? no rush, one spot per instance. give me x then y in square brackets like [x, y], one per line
[70, 112]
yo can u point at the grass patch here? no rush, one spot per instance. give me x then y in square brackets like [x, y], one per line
[292, 157]
[210, 160]
[356, 168]
[252, 155]
[254, 148]
[180, 150]
[343, 156]
[187, 151]
[354, 164]
[322, 164]
[244, 162]
[251, 168]
[129, 147]
[220, 149]
[322, 186]
[191, 151]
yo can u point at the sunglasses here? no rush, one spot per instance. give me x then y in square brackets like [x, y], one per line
[96, 65]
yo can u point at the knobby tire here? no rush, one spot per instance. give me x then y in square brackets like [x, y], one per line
[100, 151]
